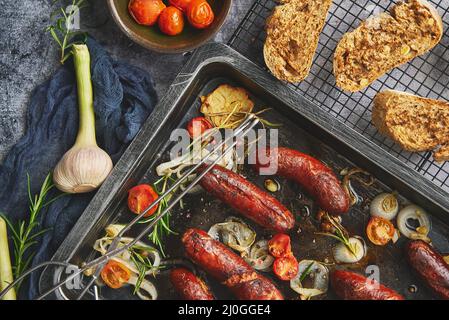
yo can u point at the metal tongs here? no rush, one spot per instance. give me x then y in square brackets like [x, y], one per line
[98, 263]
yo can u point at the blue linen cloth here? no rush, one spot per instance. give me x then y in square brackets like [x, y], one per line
[124, 96]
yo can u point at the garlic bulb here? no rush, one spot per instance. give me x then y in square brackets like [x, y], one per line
[85, 166]
[82, 169]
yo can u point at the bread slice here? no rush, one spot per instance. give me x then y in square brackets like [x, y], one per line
[415, 123]
[384, 42]
[292, 37]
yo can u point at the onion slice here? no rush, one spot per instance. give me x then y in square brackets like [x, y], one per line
[315, 271]
[258, 256]
[384, 205]
[145, 285]
[342, 254]
[413, 212]
[234, 233]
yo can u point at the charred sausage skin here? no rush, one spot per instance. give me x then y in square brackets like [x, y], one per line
[228, 267]
[313, 175]
[189, 286]
[252, 202]
[430, 266]
[352, 286]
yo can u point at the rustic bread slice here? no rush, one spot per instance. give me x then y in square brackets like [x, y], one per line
[292, 37]
[384, 42]
[415, 123]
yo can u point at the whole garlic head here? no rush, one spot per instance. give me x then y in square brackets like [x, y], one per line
[82, 169]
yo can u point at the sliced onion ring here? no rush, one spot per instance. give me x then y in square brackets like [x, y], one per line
[384, 205]
[234, 233]
[320, 275]
[342, 254]
[145, 285]
[417, 213]
[258, 256]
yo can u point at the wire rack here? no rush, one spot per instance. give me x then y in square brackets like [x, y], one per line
[427, 75]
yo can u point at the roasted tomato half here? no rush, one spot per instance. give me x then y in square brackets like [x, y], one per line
[200, 14]
[380, 231]
[140, 197]
[146, 12]
[197, 126]
[279, 246]
[115, 274]
[286, 268]
[180, 4]
[171, 21]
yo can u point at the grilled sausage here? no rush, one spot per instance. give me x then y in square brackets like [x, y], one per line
[313, 175]
[430, 266]
[189, 286]
[352, 286]
[228, 267]
[249, 200]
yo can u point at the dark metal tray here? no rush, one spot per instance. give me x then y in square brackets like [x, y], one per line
[306, 128]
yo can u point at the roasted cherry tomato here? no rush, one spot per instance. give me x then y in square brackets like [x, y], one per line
[197, 126]
[140, 197]
[200, 14]
[115, 274]
[279, 246]
[171, 21]
[180, 4]
[146, 12]
[286, 268]
[379, 231]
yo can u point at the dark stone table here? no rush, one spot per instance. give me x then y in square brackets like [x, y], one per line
[28, 55]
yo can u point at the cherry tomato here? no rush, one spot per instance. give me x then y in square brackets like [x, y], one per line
[200, 14]
[171, 21]
[197, 126]
[115, 274]
[286, 268]
[140, 197]
[279, 246]
[180, 4]
[146, 12]
[379, 231]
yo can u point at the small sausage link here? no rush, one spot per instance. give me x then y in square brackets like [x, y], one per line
[313, 175]
[249, 200]
[430, 266]
[353, 286]
[189, 286]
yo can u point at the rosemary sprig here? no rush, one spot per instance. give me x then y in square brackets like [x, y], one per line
[25, 233]
[143, 265]
[340, 234]
[162, 227]
[62, 30]
[306, 272]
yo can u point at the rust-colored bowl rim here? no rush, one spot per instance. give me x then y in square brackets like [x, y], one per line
[207, 34]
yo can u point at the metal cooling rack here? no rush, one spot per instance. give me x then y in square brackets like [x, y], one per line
[427, 75]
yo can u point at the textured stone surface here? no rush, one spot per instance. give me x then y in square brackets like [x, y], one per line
[28, 55]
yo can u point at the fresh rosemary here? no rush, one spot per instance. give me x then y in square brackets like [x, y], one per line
[62, 30]
[25, 233]
[340, 234]
[162, 227]
[143, 265]
[306, 272]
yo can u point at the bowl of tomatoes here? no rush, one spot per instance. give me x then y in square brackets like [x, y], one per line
[170, 26]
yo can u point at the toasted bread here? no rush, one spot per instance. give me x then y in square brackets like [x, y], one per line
[384, 42]
[415, 123]
[293, 30]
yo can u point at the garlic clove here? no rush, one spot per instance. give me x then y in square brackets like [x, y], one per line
[82, 169]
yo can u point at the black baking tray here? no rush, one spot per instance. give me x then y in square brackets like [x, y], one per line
[306, 128]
